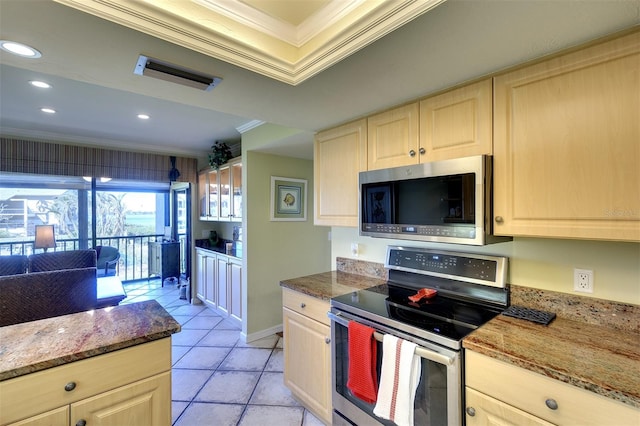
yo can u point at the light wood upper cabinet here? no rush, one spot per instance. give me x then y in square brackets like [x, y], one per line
[457, 123]
[567, 145]
[339, 155]
[220, 192]
[393, 138]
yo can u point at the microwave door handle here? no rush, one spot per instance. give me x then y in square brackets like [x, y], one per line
[421, 352]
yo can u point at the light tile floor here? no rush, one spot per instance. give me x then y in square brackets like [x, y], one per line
[217, 379]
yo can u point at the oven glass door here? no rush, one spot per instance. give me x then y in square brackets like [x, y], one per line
[438, 397]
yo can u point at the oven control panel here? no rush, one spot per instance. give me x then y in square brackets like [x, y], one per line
[462, 266]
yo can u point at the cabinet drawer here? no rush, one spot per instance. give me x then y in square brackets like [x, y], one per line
[529, 391]
[304, 304]
[35, 393]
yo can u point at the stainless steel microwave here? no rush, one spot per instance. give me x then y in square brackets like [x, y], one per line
[447, 201]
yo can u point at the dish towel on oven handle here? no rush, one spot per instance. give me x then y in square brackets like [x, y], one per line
[399, 378]
[362, 381]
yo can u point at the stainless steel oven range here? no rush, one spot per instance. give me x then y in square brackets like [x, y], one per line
[471, 289]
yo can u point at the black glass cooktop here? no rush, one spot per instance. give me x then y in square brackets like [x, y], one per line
[443, 315]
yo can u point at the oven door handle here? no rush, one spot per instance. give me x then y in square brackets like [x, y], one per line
[420, 351]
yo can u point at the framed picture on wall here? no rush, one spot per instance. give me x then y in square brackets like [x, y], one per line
[288, 199]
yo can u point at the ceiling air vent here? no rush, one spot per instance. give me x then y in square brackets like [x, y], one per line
[168, 72]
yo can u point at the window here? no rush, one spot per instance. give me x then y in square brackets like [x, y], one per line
[126, 215]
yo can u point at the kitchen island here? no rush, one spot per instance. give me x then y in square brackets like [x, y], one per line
[112, 362]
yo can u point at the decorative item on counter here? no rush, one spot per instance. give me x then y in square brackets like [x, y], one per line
[220, 154]
[423, 293]
[229, 247]
[213, 238]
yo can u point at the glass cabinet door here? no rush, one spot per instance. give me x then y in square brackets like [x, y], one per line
[203, 200]
[224, 176]
[236, 181]
[213, 195]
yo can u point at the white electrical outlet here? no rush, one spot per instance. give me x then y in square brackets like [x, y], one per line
[583, 280]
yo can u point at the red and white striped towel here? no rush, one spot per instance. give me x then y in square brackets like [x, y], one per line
[399, 378]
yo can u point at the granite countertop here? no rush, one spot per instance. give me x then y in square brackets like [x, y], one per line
[37, 345]
[326, 285]
[597, 358]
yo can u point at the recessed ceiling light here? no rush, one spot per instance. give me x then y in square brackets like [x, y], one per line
[48, 110]
[143, 116]
[19, 49]
[40, 84]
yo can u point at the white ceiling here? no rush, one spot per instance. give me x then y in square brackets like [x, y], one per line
[90, 60]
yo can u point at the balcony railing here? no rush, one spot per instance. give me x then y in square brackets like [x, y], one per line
[134, 252]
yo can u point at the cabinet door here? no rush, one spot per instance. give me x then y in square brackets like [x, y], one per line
[224, 186]
[203, 195]
[222, 273]
[307, 362]
[141, 403]
[339, 155]
[457, 123]
[59, 416]
[393, 138]
[201, 274]
[486, 411]
[566, 145]
[236, 193]
[235, 288]
[210, 280]
[155, 263]
[214, 195]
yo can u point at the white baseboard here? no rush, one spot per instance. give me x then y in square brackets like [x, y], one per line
[262, 333]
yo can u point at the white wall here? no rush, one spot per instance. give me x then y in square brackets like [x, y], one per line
[533, 262]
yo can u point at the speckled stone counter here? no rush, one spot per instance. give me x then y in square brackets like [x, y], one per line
[600, 359]
[33, 346]
[330, 284]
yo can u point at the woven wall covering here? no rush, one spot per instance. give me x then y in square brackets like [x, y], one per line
[34, 157]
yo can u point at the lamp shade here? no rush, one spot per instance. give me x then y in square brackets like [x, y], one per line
[45, 237]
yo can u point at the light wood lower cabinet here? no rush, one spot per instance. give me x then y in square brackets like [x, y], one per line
[502, 394]
[307, 352]
[141, 403]
[220, 283]
[567, 144]
[127, 387]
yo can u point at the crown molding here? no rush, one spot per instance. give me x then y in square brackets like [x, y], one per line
[249, 125]
[272, 57]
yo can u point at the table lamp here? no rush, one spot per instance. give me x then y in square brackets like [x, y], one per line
[45, 237]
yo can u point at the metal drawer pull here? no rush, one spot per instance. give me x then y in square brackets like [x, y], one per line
[551, 403]
[421, 352]
[327, 340]
[81, 422]
[471, 411]
[303, 305]
[70, 386]
[412, 153]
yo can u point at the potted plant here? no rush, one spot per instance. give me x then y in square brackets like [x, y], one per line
[220, 154]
